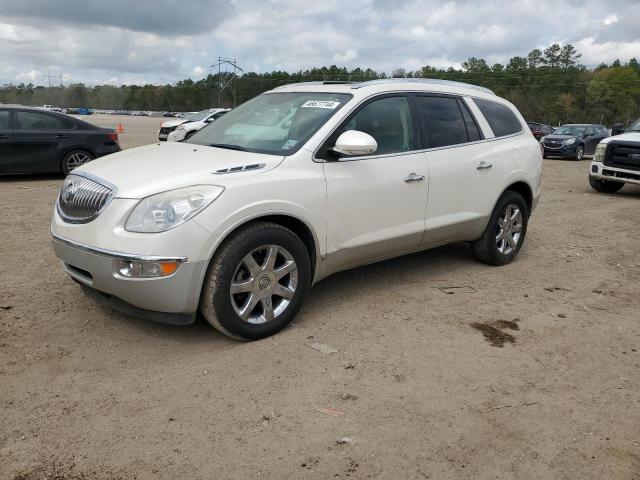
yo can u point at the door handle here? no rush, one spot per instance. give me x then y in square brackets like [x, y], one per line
[413, 177]
[61, 136]
[483, 165]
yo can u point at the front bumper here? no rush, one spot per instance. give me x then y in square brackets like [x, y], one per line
[565, 151]
[614, 174]
[177, 294]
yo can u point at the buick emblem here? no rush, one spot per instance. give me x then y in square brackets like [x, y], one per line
[635, 157]
[68, 192]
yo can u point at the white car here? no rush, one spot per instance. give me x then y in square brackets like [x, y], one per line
[296, 184]
[187, 129]
[616, 161]
[194, 121]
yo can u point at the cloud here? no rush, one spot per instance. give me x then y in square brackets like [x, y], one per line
[165, 41]
[157, 16]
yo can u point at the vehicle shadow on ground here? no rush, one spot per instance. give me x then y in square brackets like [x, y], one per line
[429, 266]
[422, 267]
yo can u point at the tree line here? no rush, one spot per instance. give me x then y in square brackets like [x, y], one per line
[548, 85]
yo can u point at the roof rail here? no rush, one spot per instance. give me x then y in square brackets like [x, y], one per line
[430, 81]
[315, 82]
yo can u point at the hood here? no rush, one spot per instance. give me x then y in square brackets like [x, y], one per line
[143, 171]
[551, 136]
[624, 137]
[173, 123]
[192, 125]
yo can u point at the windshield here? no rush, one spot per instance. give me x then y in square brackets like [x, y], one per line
[196, 117]
[573, 130]
[635, 127]
[272, 123]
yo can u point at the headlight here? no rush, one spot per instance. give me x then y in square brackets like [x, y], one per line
[599, 155]
[167, 210]
[570, 141]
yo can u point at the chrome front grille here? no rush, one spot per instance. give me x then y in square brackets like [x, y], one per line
[82, 198]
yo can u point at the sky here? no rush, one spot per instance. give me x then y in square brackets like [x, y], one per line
[162, 41]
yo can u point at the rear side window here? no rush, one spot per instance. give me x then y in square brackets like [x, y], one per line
[4, 119]
[442, 121]
[500, 117]
[35, 121]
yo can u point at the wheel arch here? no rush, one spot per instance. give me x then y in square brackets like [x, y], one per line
[286, 219]
[523, 189]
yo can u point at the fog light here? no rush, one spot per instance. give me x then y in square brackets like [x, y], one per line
[145, 269]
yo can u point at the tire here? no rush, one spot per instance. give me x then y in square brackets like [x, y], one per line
[604, 186]
[579, 153]
[257, 283]
[489, 248]
[74, 159]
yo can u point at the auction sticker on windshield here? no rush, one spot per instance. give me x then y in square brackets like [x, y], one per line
[329, 104]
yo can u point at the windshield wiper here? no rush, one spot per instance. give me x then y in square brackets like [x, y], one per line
[228, 146]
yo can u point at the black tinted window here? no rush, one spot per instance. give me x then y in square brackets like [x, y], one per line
[36, 121]
[4, 119]
[388, 120]
[441, 121]
[500, 117]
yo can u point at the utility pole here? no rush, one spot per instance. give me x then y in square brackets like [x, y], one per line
[228, 71]
[48, 76]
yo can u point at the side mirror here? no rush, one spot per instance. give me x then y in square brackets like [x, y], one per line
[354, 142]
[209, 120]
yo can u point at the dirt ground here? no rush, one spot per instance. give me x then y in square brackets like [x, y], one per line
[446, 368]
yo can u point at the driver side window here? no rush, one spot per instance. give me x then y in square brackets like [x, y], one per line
[388, 121]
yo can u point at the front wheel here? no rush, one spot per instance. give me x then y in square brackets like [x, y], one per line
[604, 186]
[504, 235]
[257, 282]
[579, 152]
[73, 160]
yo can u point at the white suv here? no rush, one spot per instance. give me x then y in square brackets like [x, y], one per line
[292, 186]
[195, 121]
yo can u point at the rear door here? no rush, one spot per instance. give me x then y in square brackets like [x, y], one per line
[462, 174]
[39, 140]
[6, 150]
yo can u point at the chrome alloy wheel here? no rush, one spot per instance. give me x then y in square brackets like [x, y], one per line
[509, 229]
[77, 159]
[263, 284]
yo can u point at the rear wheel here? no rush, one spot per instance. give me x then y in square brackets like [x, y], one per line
[504, 235]
[257, 282]
[604, 186]
[73, 160]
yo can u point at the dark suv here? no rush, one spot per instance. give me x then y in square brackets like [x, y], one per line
[573, 140]
[539, 130]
